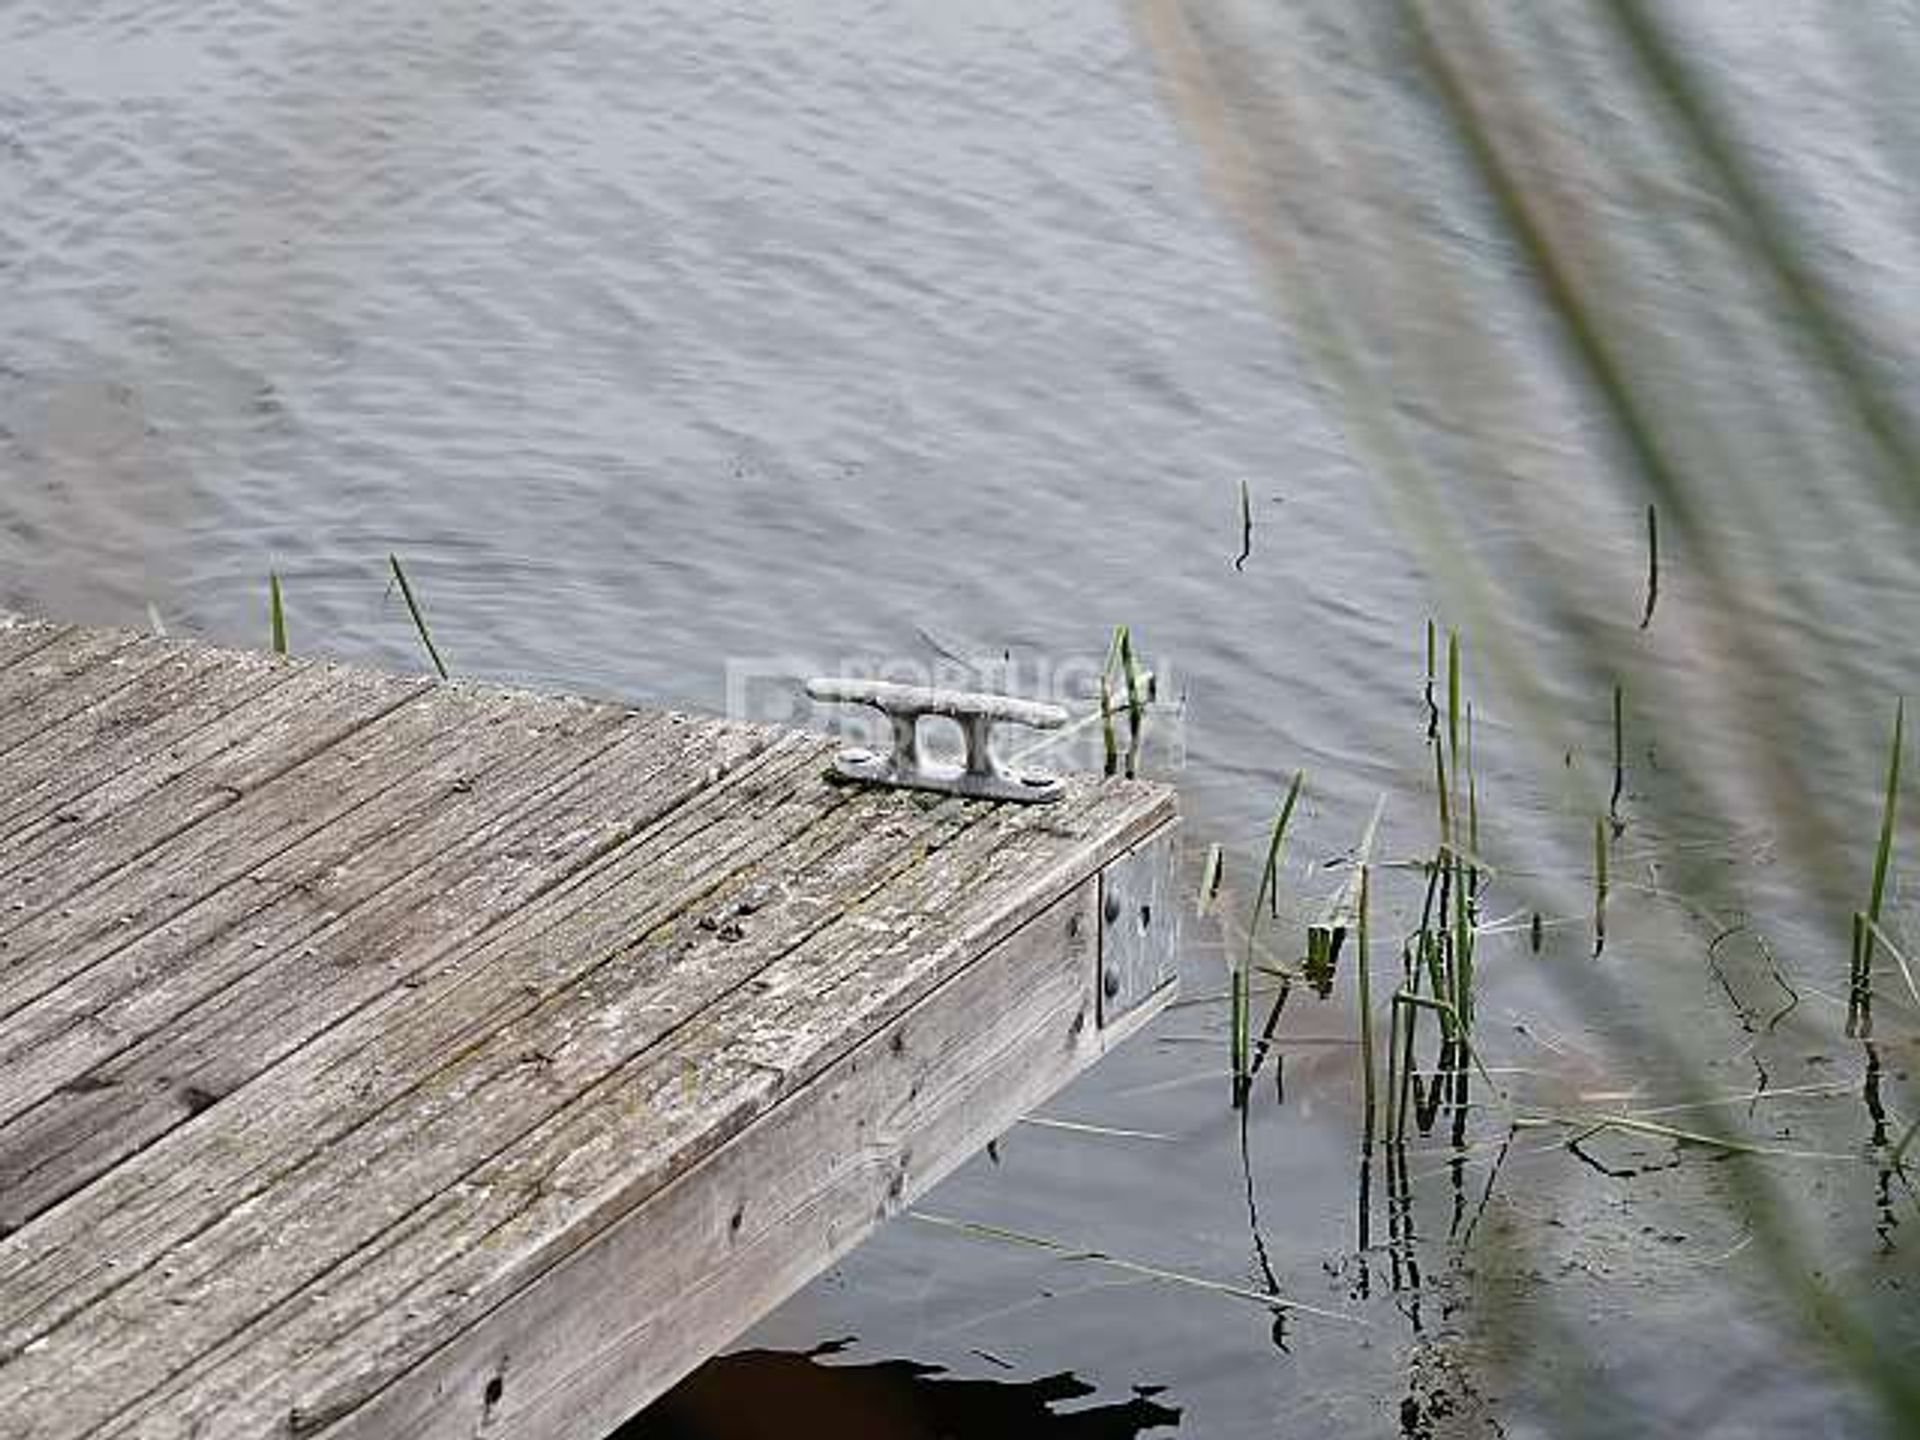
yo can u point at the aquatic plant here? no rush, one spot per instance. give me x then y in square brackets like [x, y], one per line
[419, 620]
[276, 614]
[1246, 528]
[1241, 977]
[1363, 987]
[1866, 924]
[1756, 416]
[1653, 566]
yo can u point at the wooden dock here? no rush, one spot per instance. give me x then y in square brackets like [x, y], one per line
[382, 1058]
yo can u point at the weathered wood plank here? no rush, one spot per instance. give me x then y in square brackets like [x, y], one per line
[77, 668]
[113, 882]
[183, 1184]
[615, 1323]
[578, 1173]
[343, 1098]
[338, 1039]
[296, 722]
[133, 776]
[160, 719]
[356, 934]
[401, 795]
[713, 1075]
[192, 1011]
[21, 637]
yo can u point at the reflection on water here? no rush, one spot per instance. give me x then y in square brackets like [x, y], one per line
[95, 490]
[770, 1395]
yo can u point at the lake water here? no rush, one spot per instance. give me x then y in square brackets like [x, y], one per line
[685, 349]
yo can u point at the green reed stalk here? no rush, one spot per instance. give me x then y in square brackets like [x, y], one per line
[1393, 1067]
[1210, 874]
[1599, 884]
[1269, 891]
[1238, 1038]
[1883, 855]
[1120, 659]
[1246, 527]
[1433, 711]
[1462, 946]
[1110, 742]
[1136, 688]
[1400, 1042]
[1364, 981]
[1473, 800]
[419, 620]
[1619, 756]
[1653, 566]
[276, 614]
[1240, 1021]
[1427, 948]
[1433, 961]
[1866, 924]
[1425, 1002]
[1453, 701]
[1109, 739]
[1408, 1015]
[1859, 983]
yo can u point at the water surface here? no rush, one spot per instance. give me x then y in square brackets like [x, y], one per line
[675, 343]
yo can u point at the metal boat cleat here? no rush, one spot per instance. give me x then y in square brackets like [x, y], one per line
[983, 777]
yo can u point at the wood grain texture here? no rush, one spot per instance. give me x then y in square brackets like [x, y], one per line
[191, 1012]
[357, 1032]
[617, 1321]
[173, 714]
[75, 669]
[21, 637]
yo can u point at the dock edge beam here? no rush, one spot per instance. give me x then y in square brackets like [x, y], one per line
[1139, 925]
